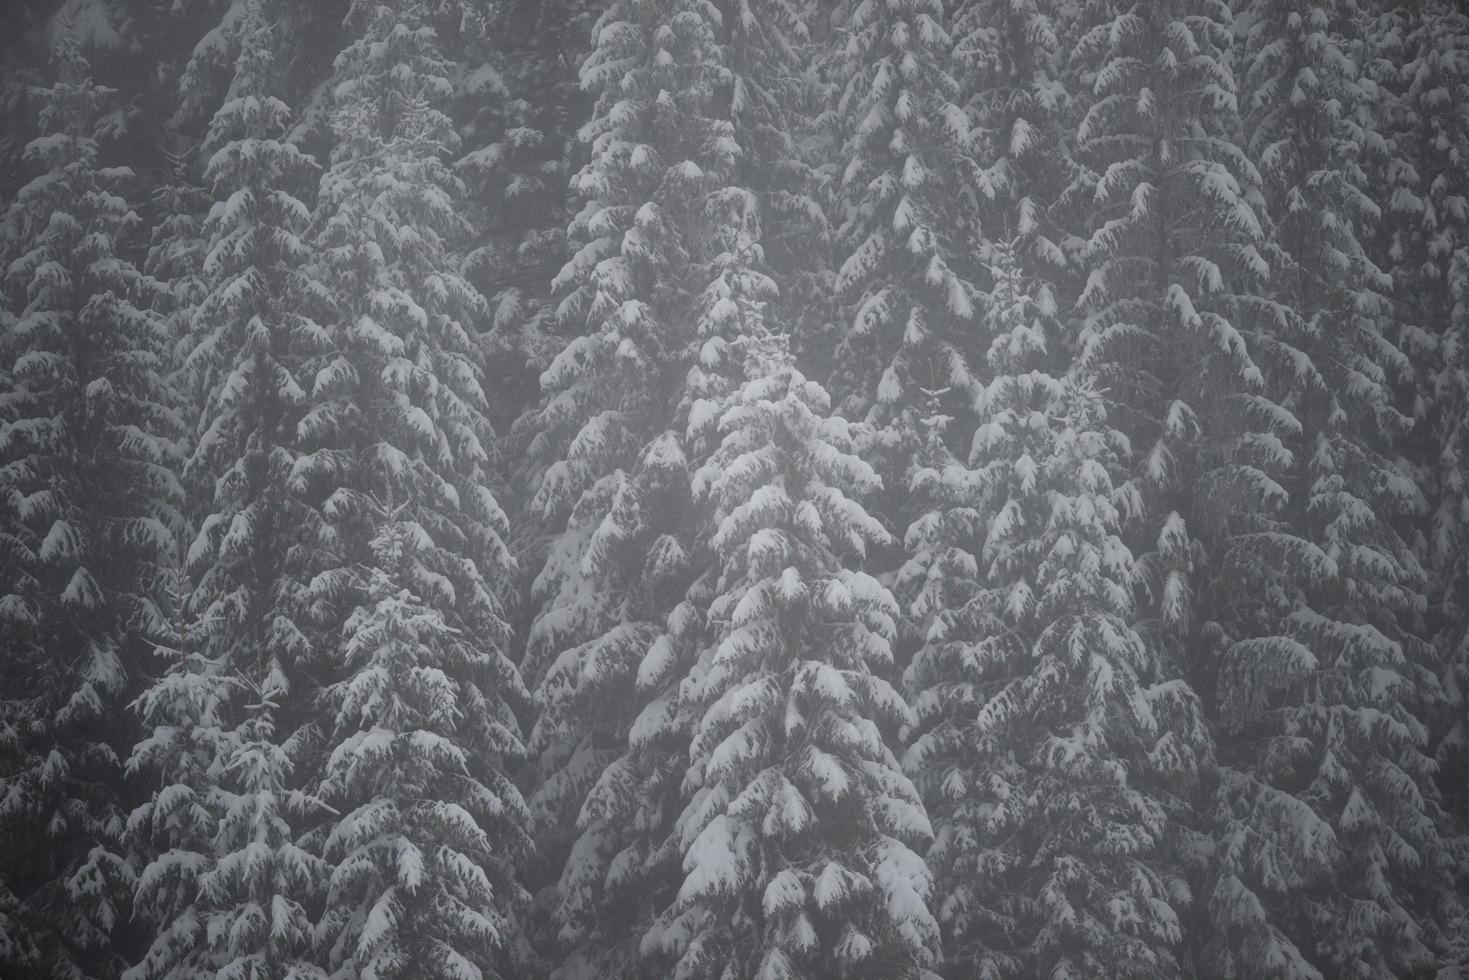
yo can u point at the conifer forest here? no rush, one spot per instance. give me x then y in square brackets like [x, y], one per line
[734, 489]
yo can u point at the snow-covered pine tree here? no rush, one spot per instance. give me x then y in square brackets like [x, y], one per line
[797, 828]
[178, 246]
[400, 459]
[1452, 574]
[1013, 80]
[1051, 741]
[1422, 74]
[1171, 254]
[207, 74]
[762, 186]
[1332, 857]
[910, 184]
[1172, 324]
[908, 225]
[520, 101]
[426, 848]
[17, 121]
[88, 516]
[777, 105]
[228, 888]
[611, 481]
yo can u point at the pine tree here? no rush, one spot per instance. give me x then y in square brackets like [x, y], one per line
[177, 250]
[1422, 76]
[521, 100]
[1052, 742]
[17, 120]
[208, 73]
[1452, 576]
[778, 108]
[1174, 326]
[1331, 853]
[797, 826]
[909, 230]
[424, 852]
[755, 181]
[88, 514]
[612, 477]
[1014, 81]
[229, 886]
[400, 462]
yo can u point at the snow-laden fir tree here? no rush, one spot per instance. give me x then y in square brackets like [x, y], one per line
[776, 102]
[907, 220]
[88, 518]
[1013, 82]
[1451, 527]
[798, 829]
[1452, 569]
[177, 248]
[204, 73]
[17, 120]
[1173, 239]
[1332, 853]
[758, 183]
[400, 460]
[1172, 326]
[1052, 743]
[767, 703]
[629, 813]
[425, 850]
[1422, 74]
[207, 74]
[520, 98]
[611, 481]
[228, 888]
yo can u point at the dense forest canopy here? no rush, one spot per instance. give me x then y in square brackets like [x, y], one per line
[721, 489]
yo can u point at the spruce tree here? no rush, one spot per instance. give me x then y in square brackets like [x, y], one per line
[88, 513]
[1174, 327]
[1052, 741]
[1331, 852]
[518, 96]
[611, 476]
[1422, 76]
[756, 183]
[797, 828]
[911, 187]
[229, 887]
[429, 832]
[424, 880]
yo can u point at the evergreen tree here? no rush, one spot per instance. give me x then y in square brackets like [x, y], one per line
[1453, 577]
[1331, 852]
[778, 108]
[611, 480]
[424, 852]
[1174, 325]
[1451, 526]
[1422, 75]
[797, 827]
[17, 77]
[424, 858]
[756, 183]
[1014, 78]
[520, 102]
[911, 187]
[1052, 741]
[88, 515]
[229, 886]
